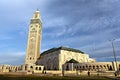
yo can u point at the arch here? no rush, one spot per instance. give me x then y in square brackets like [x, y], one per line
[110, 68]
[119, 67]
[80, 67]
[36, 68]
[97, 66]
[104, 66]
[67, 67]
[77, 68]
[90, 66]
[83, 67]
[16, 69]
[31, 67]
[25, 67]
[39, 68]
[86, 66]
[93, 67]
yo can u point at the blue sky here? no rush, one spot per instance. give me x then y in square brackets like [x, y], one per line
[87, 25]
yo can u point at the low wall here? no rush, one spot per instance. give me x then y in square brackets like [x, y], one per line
[69, 73]
[65, 73]
[36, 71]
[94, 73]
[54, 73]
[13, 73]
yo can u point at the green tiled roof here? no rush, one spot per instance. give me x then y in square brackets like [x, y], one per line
[62, 48]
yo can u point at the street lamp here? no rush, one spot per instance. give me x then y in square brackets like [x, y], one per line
[114, 52]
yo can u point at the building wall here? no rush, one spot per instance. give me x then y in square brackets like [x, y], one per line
[50, 61]
[55, 59]
[68, 55]
[65, 56]
[93, 66]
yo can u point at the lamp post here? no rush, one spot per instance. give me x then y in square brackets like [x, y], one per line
[114, 52]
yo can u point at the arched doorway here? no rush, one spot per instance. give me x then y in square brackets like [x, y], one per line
[67, 67]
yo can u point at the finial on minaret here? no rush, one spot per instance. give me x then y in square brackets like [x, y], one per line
[37, 9]
[36, 14]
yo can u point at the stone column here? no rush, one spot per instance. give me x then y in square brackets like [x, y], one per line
[114, 66]
[72, 66]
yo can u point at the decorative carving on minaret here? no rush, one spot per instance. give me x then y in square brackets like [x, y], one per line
[34, 39]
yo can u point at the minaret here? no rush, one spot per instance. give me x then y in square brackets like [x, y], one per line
[34, 39]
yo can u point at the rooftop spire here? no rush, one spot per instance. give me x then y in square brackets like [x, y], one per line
[37, 9]
[36, 14]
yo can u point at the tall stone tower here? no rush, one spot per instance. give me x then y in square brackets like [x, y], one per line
[34, 40]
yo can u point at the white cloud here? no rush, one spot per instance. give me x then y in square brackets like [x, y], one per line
[53, 21]
[117, 39]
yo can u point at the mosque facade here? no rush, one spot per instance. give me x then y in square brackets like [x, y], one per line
[55, 59]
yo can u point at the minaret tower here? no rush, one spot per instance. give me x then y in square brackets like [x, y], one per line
[34, 39]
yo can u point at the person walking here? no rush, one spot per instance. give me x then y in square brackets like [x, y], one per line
[89, 73]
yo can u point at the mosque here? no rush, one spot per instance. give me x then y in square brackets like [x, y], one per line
[55, 59]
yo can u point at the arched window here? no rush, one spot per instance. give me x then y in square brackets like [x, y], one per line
[83, 67]
[89, 67]
[80, 67]
[104, 66]
[110, 68]
[39, 68]
[67, 67]
[36, 68]
[119, 67]
[86, 66]
[77, 67]
[31, 67]
[97, 66]
[25, 67]
[93, 67]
